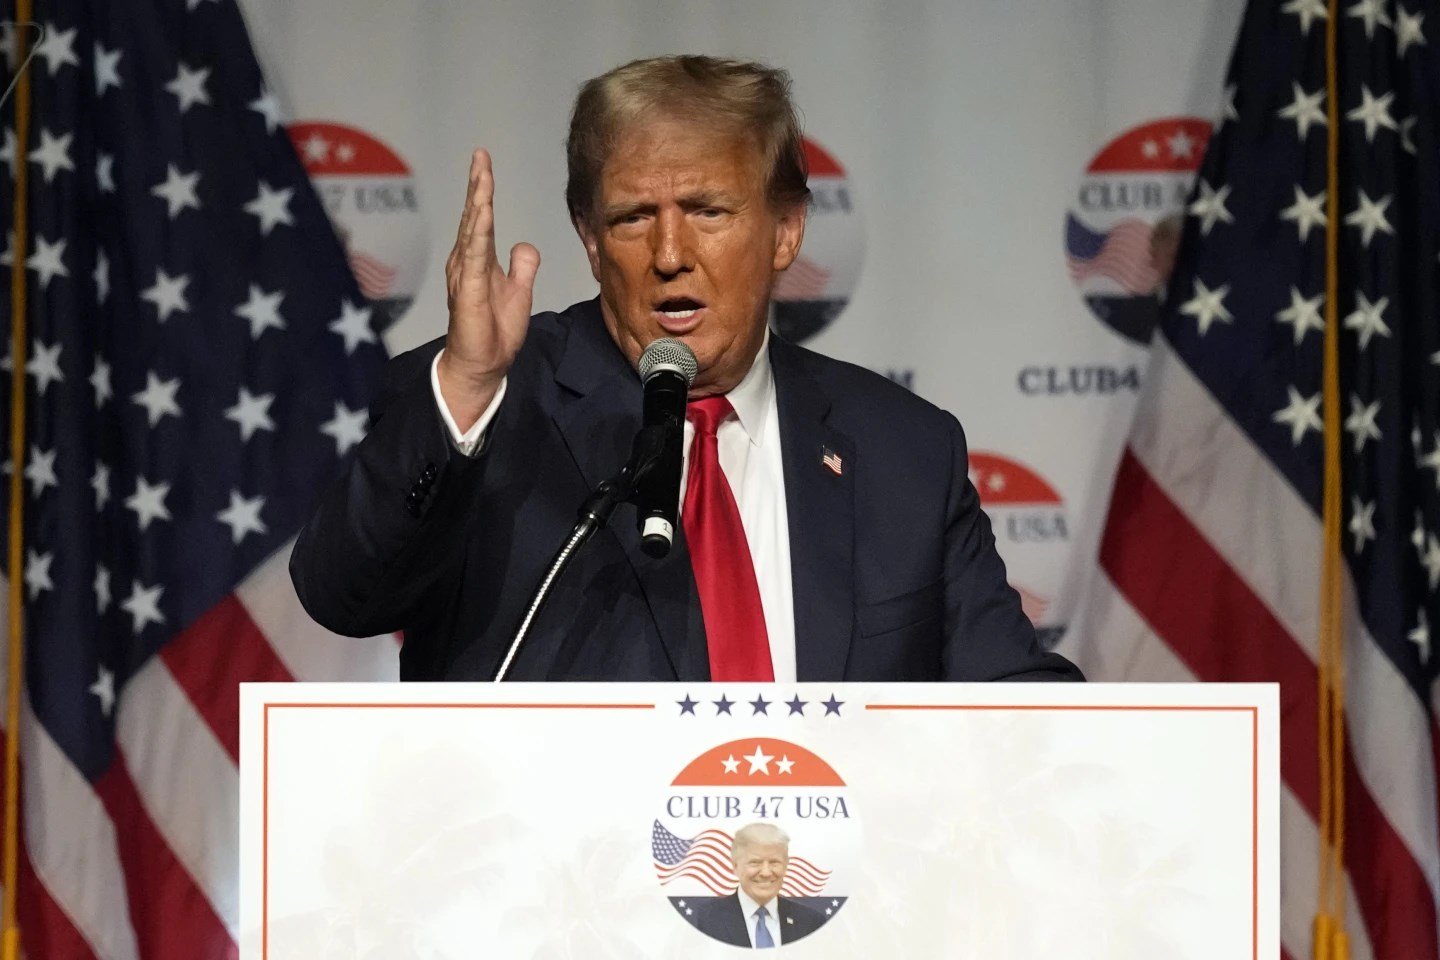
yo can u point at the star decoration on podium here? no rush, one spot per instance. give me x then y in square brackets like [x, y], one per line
[760, 706]
[759, 761]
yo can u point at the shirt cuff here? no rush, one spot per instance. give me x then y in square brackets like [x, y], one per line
[468, 441]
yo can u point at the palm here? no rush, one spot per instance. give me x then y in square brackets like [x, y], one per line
[489, 308]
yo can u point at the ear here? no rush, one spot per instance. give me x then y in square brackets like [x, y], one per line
[789, 234]
[591, 241]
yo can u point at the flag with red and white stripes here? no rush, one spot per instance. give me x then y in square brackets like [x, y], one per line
[198, 362]
[1210, 561]
[706, 858]
[1121, 254]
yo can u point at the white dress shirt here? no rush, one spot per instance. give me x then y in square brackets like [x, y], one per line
[749, 906]
[750, 458]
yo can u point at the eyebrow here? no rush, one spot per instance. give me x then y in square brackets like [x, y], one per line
[692, 201]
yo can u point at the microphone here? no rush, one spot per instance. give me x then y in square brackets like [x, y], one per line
[667, 368]
[650, 480]
[34, 49]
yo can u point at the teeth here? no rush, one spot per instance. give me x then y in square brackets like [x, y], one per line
[678, 314]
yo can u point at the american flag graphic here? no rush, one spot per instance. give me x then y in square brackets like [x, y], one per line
[375, 276]
[705, 858]
[804, 280]
[1211, 558]
[1122, 254]
[832, 460]
[198, 361]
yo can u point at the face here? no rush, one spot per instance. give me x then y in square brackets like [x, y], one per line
[761, 868]
[685, 244]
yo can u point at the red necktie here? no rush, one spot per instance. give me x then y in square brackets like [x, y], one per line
[720, 556]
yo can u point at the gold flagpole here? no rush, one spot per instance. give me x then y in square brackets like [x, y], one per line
[1330, 941]
[10, 944]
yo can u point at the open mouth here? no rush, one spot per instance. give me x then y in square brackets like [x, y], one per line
[678, 308]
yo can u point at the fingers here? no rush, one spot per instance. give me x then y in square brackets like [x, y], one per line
[479, 241]
[524, 264]
[479, 197]
[467, 211]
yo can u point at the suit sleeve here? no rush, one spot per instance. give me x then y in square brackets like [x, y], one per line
[388, 535]
[987, 635]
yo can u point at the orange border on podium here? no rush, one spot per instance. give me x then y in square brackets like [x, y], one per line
[885, 707]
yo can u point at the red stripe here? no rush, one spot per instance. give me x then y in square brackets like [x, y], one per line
[1135, 281]
[1192, 599]
[686, 865]
[800, 890]
[724, 876]
[806, 863]
[211, 658]
[46, 931]
[809, 871]
[172, 918]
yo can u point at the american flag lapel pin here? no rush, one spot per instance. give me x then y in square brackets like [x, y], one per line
[832, 460]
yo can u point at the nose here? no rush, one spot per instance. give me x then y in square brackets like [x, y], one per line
[673, 249]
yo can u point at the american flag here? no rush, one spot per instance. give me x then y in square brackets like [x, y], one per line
[705, 858]
[375, 276]
[1122, 254]
[805, 280]
[199, 360]
[1211, 558]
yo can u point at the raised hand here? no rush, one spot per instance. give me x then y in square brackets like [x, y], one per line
[489, 308]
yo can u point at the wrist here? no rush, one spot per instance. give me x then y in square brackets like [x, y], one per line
[466, 388]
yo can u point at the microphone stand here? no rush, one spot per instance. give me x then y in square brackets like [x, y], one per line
[594, 514]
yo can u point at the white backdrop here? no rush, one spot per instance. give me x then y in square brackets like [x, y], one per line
[963, 129]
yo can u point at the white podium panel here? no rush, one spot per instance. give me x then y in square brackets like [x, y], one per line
[590, 821]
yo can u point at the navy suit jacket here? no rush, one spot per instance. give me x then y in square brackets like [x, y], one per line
[895, 574]
[724, 920]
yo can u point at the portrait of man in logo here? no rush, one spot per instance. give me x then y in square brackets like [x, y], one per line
[757, 843]
[757, 914]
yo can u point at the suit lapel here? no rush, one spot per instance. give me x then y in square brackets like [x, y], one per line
[820, 503]
[598, 417]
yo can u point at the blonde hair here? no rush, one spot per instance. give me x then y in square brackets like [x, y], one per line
[756, 833]
[730, 96]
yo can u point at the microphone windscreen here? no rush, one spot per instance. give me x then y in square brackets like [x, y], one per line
[668, 354]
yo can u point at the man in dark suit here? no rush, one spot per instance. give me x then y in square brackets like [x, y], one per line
[830, 530]
[756, 915]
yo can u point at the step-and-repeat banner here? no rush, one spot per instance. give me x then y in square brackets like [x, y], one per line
[999, 190]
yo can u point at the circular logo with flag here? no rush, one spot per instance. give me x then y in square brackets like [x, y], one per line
[756, 842]
[370, 195]
[1032, 533]
[1123, 230]
[811, 294]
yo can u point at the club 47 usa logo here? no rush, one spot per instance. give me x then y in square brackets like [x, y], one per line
[369, 193]
[818, 285]
[1123, 230]
[755, 842]
[1032, 532]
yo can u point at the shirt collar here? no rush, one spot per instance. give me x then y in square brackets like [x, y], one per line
[754, 396]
